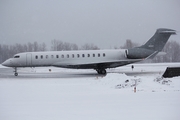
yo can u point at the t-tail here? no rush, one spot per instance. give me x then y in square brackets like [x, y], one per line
[151, 48]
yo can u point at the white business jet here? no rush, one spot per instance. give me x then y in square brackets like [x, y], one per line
[99, 60]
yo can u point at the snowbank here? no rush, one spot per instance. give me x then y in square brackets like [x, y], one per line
[109, 97]
[142, 83]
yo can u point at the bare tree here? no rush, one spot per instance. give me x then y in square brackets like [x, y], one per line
[173, 52]
[89, 47]
[30, 47]
[57, 45]
[171, 49]
[7, 51]
[74, 47]
[35, 46]
[42, 47]
[129, 44]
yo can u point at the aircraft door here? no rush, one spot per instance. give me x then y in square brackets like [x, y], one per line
[28, 59]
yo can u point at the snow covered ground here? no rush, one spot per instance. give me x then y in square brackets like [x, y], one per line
[109, 97]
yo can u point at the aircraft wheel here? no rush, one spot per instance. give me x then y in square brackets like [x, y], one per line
[16, 74]
[98, 71]
[103, 71]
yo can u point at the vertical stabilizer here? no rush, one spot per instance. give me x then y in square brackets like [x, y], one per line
[151, 48]
[159, 39]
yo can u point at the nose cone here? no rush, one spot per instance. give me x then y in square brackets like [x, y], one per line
[7, 63]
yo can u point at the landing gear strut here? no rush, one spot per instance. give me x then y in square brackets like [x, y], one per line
[101, 71]
[15, 72]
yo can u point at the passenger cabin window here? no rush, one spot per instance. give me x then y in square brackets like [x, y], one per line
[52, 56]
[46, 56]
[104, 54]
[41, 56]
[93, 55]
[98, 54]
[83, 55]
[17, 56]
[78, 55]
[67, 56]
[72, 55]
[36, 57]
[57, 56]
[88, 55]
[62, 56]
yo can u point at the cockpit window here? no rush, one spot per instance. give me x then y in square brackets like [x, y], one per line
[17, 56]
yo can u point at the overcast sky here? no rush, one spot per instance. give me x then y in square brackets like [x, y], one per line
[105, 23]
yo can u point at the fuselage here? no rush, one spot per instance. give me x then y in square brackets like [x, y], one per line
[66, 59]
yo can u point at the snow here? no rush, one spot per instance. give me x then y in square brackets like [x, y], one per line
[109, 97]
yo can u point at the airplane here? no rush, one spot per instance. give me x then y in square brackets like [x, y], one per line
[98, 60]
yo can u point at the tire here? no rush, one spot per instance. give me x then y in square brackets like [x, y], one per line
[15, 74]
[103, 72]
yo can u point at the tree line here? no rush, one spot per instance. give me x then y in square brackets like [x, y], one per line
[7, 51]
[171, 49]
[171, 52]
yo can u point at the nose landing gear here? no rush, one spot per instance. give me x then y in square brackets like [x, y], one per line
[15, 72]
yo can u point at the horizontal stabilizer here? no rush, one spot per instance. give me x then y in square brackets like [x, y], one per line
[171, 32]
[164, 30]
[161, 54]
[152, 55]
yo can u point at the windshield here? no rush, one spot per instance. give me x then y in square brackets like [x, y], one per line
[17, 56]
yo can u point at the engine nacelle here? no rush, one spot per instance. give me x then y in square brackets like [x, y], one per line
[137, 53]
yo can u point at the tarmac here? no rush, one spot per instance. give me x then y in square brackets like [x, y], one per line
[8, 73]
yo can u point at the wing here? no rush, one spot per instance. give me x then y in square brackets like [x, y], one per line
[99, 64]
[96, 65]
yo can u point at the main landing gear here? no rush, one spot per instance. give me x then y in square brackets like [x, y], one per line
[15, 71]
[101, 71]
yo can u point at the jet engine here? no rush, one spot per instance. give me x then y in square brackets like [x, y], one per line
[137, 53]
